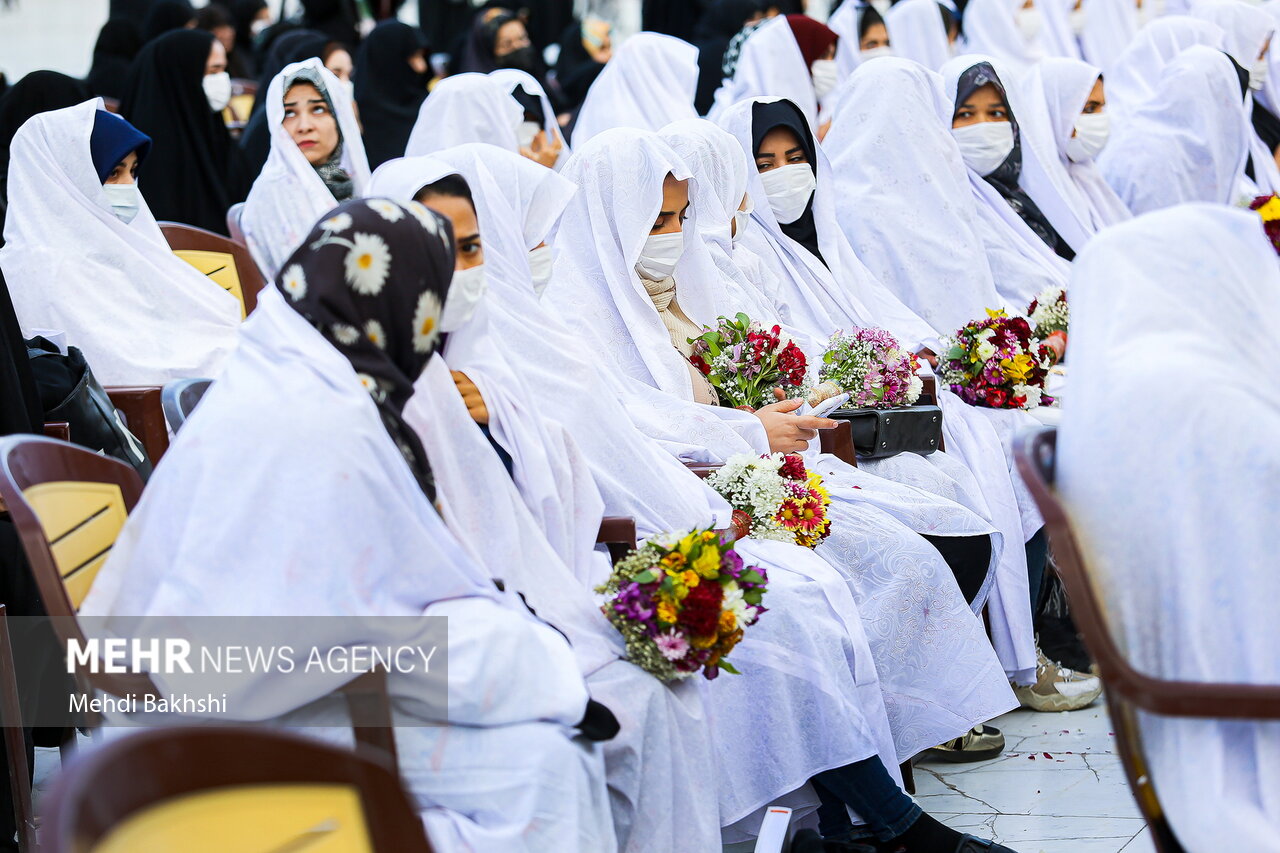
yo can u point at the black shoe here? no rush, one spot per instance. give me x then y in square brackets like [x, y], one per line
[969, 844]
[809, 841]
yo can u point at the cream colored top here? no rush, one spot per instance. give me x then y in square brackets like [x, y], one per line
[681, 329]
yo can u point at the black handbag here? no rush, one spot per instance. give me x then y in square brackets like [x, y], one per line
[878, 433]
[69, 392]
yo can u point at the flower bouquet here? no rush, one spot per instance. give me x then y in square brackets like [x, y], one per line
[1268, 207]
[780, 498]
[745, 362]
[1050, 315]
[873, 367]
[997, 363]
[682, 602]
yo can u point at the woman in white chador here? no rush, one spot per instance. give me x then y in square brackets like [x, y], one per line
[325, 368]
[83, 255]
[792, 57]
[316, 162]
[1163, 308]
[650, 81]
[1188, 142]
[1136, 73]
[465, 108]
[1013, 31]
[922, 30]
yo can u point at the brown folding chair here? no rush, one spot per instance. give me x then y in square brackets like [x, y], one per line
[143, 413]
[207, 789]
[1128, 689]
[69, 505]
[225, 261]
[234, 212]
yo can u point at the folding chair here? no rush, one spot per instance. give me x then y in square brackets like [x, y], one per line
[208, 789]
[224, 261]
[143, 414]
[179, 399]
[1128, 690]
[69, 505]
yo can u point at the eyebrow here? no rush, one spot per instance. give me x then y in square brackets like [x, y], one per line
[309, 101]
[472, 238]
[662, 213]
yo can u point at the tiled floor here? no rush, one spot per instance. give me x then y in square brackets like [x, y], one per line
[1058, 788]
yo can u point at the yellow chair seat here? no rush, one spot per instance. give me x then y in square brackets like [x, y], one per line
[218, 266]
[81, 520]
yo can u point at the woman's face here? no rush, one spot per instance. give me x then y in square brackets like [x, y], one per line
[1097, 100]
[126, 171]
[876, 36]
[984, 104]
[512, 36]
[217, 61]
[675, 207]
[418, 62]
[468, 252]
[780, 147]
[310, 123]
[339, 62]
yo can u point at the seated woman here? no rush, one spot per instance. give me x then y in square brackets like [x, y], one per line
[863, 35]
[1072, 128]
[83, 255]
[923, 30]
[539, 135]
[319, 385]
[392, 72]
[622, 291]
[176, 93]
[793, 57]
[316, 161]
[1136, 73]
[650, 81]
[1013, 31]
[1188, 142]
[466, 107]
[1160, 307]
[983, 125]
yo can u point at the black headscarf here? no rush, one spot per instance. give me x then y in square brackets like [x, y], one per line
[38, 92]
[677, 18]
[167, 15]
[291, 47]
[783, 113]
[118, 44]
[388, 91]
[375, 286]
[243, 14]
[335, 18]
[722, 20]
[195, 171]
[20, 408]
[575, 69]
[1005, 177]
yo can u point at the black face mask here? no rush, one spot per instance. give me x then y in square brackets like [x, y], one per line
[522, 59]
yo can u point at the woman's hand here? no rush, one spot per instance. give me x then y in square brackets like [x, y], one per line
[543, 152]
[471, 396]
[789, 433]
[926, 354]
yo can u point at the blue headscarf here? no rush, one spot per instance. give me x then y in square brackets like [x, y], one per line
[112, 140]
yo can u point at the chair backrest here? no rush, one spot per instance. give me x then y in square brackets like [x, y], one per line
[179, 399]
[220, 788]
[222, 259]
[143, 415]
[68, 505]
[234, 212]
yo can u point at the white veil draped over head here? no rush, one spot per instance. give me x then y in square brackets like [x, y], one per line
[902, 193]
[990, 28]
[1074, 196]
[289, 196]
[918, 31]
[649, 82]
[140, 314]
[511, 78]
[1136, 73]
[1109, 27]
[1248, 29]
[840, 294]
[1163, 308]
[467, 107]
[1022, 263]
[1270, 94]
[772, 66]
[1187, 142]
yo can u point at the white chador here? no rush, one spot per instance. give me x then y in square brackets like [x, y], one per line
[1136, 73]
[140, 314]
[466, 108]
[812, 653]
[337, 526]
[649, 82]
[969, 432]
[1178, 529]
[950, 680]
[289, 196]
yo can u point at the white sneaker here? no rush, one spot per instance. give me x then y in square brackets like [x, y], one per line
[1058, 688]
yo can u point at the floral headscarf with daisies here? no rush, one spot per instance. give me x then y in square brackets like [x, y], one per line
[372, 278]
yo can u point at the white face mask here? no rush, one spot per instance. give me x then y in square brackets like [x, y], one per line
[789, 189]
[740, 220]
[466, 292]
[659, 255]
[985, 145]
[1258, 75]
[1092, 132]
[526, 132]
[217, 89]
[124, 200]
[884, 50]
[1077, 21]
[1029, 23]
[540, 266]
[825, 76]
